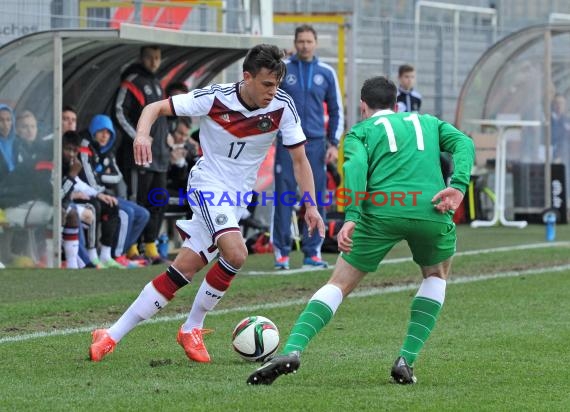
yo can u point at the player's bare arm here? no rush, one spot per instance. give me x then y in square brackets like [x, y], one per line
[304, 177]
[143, 140]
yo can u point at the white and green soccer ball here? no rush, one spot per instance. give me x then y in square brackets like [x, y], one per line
[255, 338]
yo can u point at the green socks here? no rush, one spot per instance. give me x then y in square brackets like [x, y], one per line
[324, 303]
[315, 316]
[424, 313]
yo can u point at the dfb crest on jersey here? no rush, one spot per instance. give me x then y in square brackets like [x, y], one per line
[318, 79]
[221, 219]
[147, 90]
[291, 79]
[264, 124]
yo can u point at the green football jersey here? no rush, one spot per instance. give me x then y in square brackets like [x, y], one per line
[392, 165]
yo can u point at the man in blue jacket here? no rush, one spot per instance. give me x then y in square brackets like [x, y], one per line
[312, 84]
[100, 171]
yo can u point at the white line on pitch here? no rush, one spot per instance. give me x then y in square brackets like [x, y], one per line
[293, 302]
[277, 272]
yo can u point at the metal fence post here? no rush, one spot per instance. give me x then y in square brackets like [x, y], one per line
[387, 47]
[438, 95]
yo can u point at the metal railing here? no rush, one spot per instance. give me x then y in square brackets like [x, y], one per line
[457, 10]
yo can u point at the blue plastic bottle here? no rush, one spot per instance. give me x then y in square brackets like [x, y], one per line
[163, 246]
[550, 221]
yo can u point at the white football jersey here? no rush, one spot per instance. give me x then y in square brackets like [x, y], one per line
[234, 138]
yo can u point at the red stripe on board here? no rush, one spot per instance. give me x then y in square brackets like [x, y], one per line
[173, 17]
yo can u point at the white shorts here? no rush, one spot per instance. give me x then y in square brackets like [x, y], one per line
[209, 221]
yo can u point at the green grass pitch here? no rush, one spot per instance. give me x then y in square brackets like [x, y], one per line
[501, 342]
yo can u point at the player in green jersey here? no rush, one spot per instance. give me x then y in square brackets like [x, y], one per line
[394, 191]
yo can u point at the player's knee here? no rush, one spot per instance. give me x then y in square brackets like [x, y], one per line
[188, 263]
[440, 270]
[435, 275]
[236, 257]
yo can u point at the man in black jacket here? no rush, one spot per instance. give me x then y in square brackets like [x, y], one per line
[408, 99]
[139, 87]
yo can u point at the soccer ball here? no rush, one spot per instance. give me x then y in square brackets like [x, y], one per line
[255, 338]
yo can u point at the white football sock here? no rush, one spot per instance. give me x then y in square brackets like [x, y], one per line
[206, 299]
[71, 248]
[146, 305]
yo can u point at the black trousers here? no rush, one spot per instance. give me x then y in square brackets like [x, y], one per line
[107, 217]
[152, 194]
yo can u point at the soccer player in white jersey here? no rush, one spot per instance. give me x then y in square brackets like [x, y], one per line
[237, 125]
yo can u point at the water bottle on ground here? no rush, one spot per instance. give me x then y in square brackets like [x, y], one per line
[549, 219]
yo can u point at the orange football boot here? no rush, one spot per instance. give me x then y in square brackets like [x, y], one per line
[193, 344]
[102, 345]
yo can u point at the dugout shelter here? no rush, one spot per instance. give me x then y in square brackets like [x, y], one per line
[43, 71]
[516, 80]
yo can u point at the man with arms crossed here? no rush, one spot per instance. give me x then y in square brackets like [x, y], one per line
[310, 83]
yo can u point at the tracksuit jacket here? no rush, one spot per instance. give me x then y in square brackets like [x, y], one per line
[310, 84]
[139, 87]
